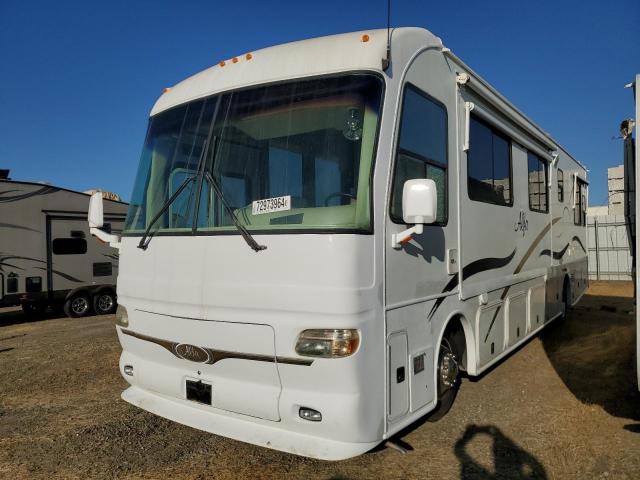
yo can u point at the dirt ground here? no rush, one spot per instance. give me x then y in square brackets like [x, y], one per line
[566, 405]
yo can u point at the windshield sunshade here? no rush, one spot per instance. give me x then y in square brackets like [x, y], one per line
[295, 155]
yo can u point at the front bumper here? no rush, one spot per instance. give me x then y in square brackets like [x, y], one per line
[240, 427]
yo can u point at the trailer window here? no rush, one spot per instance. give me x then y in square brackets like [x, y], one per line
[538, 186]
[69, 246]
[422, 149]
[560, 185]
[488, 164]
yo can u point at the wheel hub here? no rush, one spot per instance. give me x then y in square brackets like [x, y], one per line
[105, 302]
[449, 369]
[79, 305]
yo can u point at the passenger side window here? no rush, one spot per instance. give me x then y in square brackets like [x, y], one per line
[560, 185]
[537, 183]
[580, 211]
[422, 150]
[488, 165]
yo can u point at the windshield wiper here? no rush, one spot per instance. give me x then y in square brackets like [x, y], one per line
[215, 184]
[146, 238]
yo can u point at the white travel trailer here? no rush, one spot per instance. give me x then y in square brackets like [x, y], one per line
[47, 256]
[324, 235]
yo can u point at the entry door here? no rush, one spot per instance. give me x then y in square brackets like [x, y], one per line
[69, 251]
[419, 272]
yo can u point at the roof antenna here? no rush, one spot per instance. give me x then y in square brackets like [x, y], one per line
[387, 61]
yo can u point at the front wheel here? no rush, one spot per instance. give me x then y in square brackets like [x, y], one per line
[77, 306]
[448, 377]
[104, 303]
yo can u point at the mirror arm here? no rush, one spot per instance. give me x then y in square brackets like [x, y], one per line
[398, 240]
[111, 239]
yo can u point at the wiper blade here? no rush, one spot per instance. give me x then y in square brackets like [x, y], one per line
[146, 238]
[241, 228]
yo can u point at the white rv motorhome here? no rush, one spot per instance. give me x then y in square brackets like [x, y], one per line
[47, 256]
[325, 235]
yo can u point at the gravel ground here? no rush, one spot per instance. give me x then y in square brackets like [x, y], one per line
[566, 405]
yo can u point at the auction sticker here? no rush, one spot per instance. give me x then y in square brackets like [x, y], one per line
[268, 205]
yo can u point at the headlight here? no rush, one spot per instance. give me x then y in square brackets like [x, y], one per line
[122, 319]
[329, 343]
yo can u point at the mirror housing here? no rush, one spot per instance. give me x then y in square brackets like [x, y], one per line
[419, 207]
[95, 216]
[419, 201]
[96, 211]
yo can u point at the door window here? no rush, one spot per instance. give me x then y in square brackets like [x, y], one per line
[422, 149]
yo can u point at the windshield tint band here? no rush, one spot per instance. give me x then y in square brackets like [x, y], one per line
[307, 146]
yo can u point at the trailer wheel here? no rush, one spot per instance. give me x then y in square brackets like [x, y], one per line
[77, 305]
[33, 309]
[104, 302]
[449, 360]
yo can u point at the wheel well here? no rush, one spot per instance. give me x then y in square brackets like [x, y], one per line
[455, 331]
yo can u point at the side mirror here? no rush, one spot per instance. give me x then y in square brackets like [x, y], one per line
[96, 211]
[419, 207]
[95, 216]
[419, 201]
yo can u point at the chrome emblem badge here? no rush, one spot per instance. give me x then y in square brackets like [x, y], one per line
[191, 353]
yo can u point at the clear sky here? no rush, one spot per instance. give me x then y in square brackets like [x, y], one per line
[77, 79]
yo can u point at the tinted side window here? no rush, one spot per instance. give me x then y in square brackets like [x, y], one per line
[422, 149]
[560, 185]
[580, 211]
[537, 170]
[69, 246]
[488, 164]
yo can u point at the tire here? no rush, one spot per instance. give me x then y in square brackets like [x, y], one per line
[33, 309]
[449, 358]
[104, 302]
[77, 305]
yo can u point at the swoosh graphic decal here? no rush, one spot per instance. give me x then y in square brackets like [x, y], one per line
[14, 198]
[526, 256]
[18, 227]
[4, 258]
[216, 356]
[475, 267]
[576, 239]
[555, 255]
[63, 275]
[558, 255]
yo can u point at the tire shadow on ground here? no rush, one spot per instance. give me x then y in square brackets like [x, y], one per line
[593, 352]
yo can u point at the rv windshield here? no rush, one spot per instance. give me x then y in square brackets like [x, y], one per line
[293, 155]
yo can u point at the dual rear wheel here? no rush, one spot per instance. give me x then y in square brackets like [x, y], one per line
[81, 304]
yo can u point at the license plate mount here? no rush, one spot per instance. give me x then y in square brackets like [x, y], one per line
[198, 391]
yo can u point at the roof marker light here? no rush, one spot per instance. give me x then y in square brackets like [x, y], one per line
[165, 90]
[365, 38]
[222, 63]
[248, 56]
[234, 59]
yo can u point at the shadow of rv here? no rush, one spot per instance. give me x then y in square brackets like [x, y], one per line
[593, 352]
[16, 317]
[509, 460]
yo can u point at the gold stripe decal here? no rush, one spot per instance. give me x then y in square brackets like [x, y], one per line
[211, 356]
